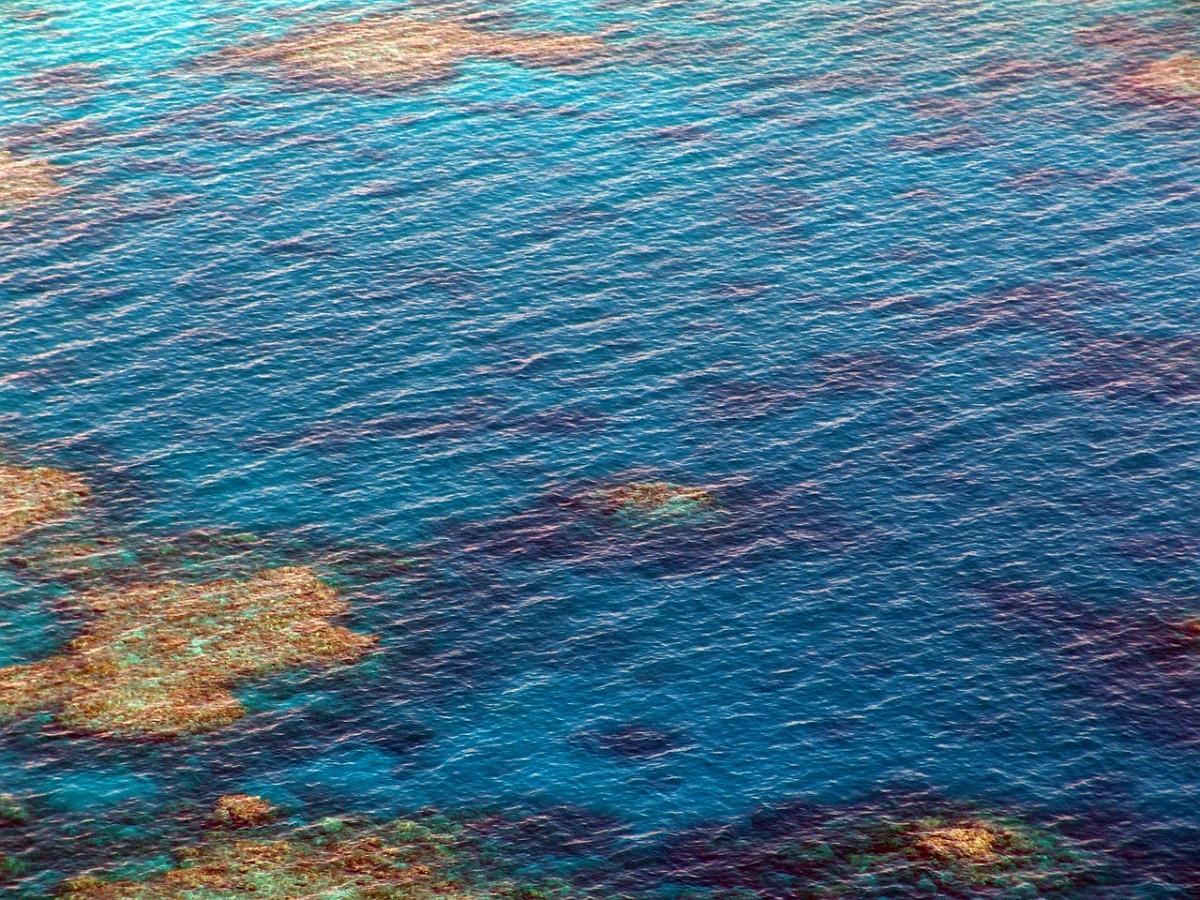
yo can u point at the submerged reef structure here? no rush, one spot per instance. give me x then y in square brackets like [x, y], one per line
[242, 811]
[1174, 78]
[656, 525]
[24, 180]
[159, 660]
[1138, 663]
[393, 50]
[915, 849]
[34, 496]
[334, 858]
[654, 500]
[86, 560]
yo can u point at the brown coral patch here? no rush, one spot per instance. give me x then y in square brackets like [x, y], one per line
[393, 50]
[24, 181]
[1174, 78]
[160, 660]
[974, 842]
[243, 810]
[651, 496]
[33, 496]
[403, 859]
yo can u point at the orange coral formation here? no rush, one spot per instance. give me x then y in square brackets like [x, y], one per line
[243, 810]
[24, 181]
[1177, 77]
[1190, 627]
[396, 50]
[655, 499]
[33, 496]
[160, 660]
[974, 842]
[402, 860]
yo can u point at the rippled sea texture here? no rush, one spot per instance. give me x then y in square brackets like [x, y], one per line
[905, 290]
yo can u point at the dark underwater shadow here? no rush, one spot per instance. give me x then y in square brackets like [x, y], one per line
[753, 520]
[1139, 666]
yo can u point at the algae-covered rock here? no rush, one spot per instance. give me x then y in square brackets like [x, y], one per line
[12, 811]
[394, 50]
[34, 496]
[160, 660]
[405, 860]
[24, 180]
[86, 560]
[958, 853]
[654, 500]
[1176, 77]
[1190, 628]
[909, 849]
[243, 810]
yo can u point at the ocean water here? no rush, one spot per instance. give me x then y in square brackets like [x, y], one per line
[909, 286]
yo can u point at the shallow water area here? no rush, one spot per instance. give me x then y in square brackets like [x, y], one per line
[736, 425]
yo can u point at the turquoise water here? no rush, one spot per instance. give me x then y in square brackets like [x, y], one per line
[909, 286]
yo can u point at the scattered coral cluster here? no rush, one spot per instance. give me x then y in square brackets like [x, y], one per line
[34, 496]
[243, 811]
[918, 851]
[963, 854]
[335, 858]
[654, 500]
[393, 50]
[24, 181]
[159, 660]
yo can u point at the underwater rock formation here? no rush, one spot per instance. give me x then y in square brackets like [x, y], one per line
[75, 561]
[1175, 78]
[1137, 663]
[160, 660]
[243, 810]
[335, 858]
[392, 51]
[88, 561]
[916, 849]
[964, 854]
[12, 811]
[24, 180]
[655, 500]
[739, 522]
[34, 496]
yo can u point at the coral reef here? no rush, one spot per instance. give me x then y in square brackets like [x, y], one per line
[1190, 628]
[160, 660]
[656, 526]
[243, 810]
[24, 181]
[1136, 662]
[1176, 77]
[335, 858]
[81, 561]
[658, 500]
[33, 496]
[392, 50]
[12, 811]
[87, 560]
[931, 849]
[953, 855]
